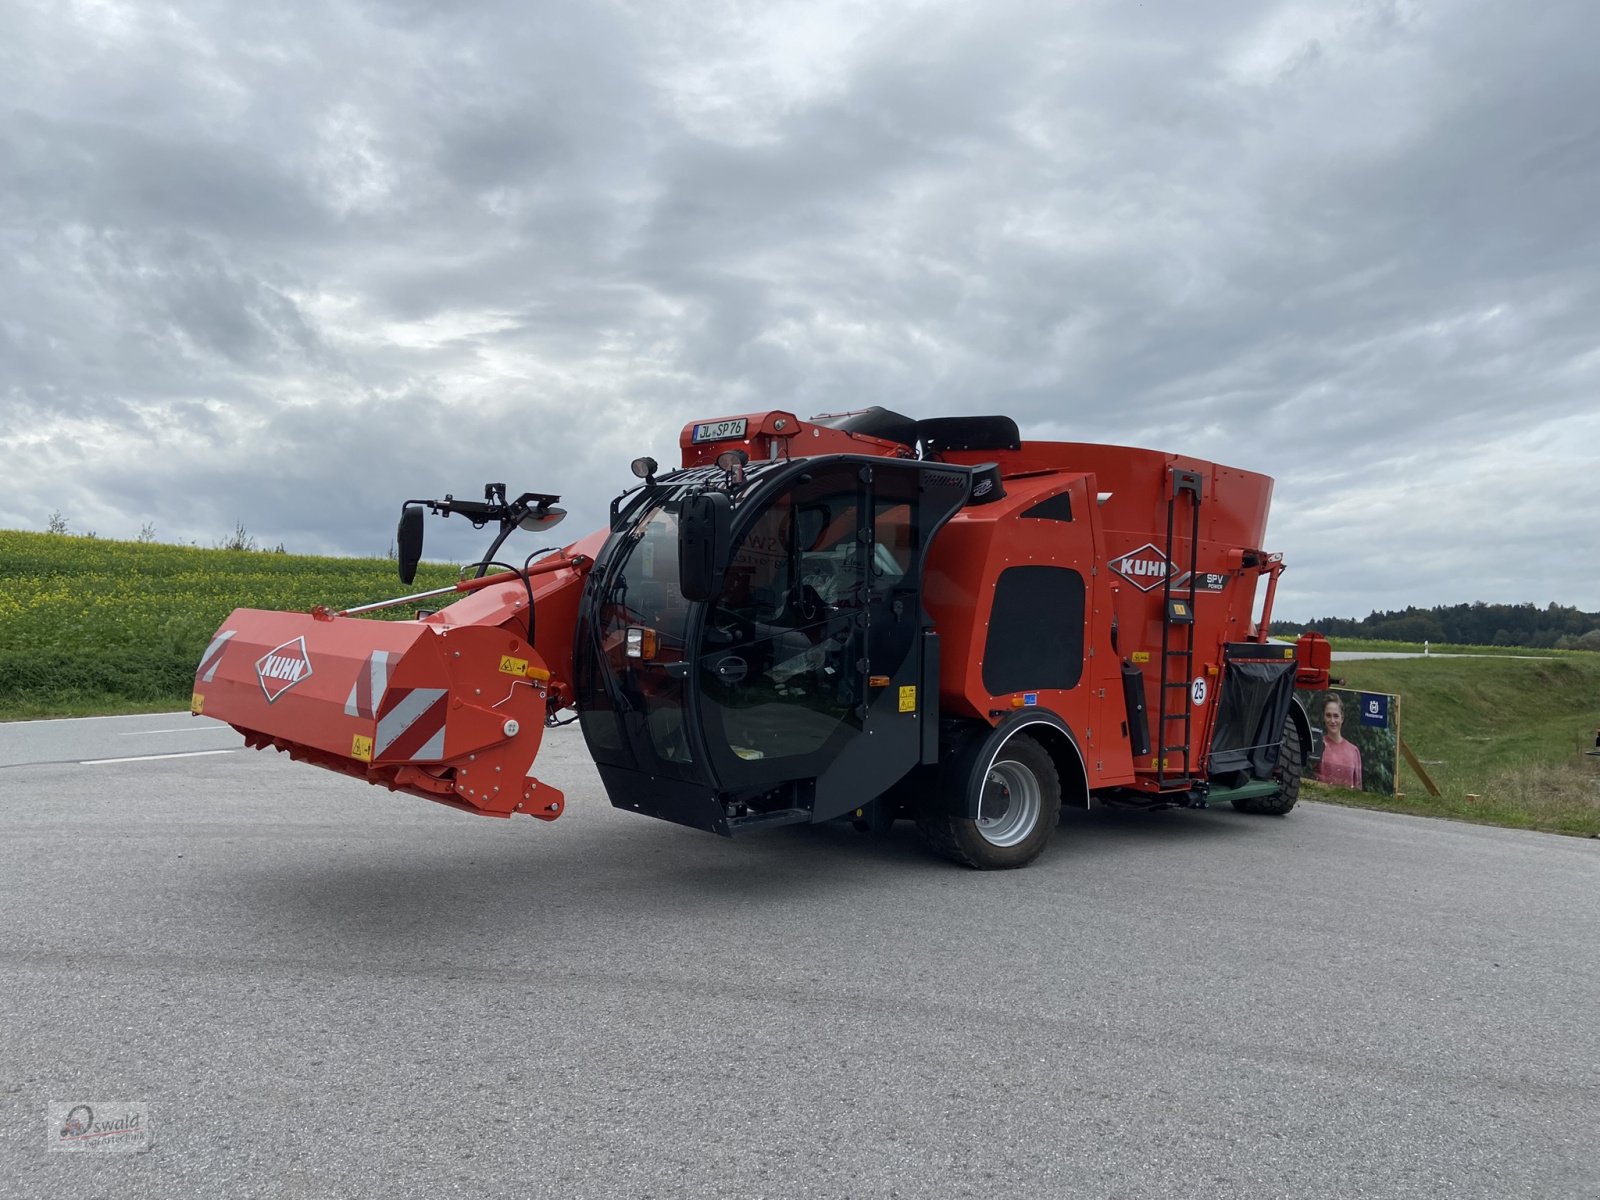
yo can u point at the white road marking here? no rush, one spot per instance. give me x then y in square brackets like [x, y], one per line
[186, 729]
[107, 717]
[96, 762]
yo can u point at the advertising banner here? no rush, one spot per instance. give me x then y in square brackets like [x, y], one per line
[1355, 739]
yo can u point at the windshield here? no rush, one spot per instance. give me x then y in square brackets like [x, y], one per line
[642, 629]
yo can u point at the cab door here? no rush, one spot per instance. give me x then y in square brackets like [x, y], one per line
[812, 657]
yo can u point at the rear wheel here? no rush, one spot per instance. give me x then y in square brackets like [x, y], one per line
[1018, 803]
[1291, 767]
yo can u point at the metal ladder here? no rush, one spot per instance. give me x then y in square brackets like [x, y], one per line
[1177, 642]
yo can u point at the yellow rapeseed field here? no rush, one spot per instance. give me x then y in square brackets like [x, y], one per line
[95, 625]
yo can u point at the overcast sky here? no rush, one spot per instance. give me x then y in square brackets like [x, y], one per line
[290, 264]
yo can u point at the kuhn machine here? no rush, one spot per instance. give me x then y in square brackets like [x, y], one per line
[862, 616]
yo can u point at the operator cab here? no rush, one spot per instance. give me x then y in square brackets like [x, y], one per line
[787, 673]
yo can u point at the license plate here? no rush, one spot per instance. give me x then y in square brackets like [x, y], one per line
[719, 431]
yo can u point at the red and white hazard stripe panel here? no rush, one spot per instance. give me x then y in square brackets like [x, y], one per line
[212, 658]
[411, 725]
[369, 685]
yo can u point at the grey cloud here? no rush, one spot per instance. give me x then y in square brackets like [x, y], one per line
[291, 265]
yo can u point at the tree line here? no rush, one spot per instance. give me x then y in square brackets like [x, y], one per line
[1555, 626]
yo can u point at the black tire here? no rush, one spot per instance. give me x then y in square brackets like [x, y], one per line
[1291, 768]
[1021, 802]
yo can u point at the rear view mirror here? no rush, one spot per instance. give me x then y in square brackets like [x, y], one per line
[703, 532]
[409, 540]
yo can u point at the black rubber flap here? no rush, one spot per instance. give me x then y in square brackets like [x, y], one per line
[1255, 702]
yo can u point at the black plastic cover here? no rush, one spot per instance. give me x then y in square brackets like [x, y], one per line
[1138, 713]
[1035, 631]
[1250, 715]
[968, 433]
[936, 433]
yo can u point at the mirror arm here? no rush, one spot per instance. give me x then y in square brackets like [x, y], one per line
[493, 507]
[508, 526]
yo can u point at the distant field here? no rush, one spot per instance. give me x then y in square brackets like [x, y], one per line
[90, 625]
[1369, 644]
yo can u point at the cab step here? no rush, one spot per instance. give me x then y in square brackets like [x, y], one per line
[761, 820]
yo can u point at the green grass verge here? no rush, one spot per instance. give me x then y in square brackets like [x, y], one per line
[1505, 740]
[91, 626]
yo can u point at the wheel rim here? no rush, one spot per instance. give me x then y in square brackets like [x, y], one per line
[1012, 801]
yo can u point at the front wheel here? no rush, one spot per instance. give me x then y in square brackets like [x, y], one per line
[1291, 766]
[1018, 804]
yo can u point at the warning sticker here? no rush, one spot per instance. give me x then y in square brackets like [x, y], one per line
[1140, 656]
[197, 704]
[520, 668]
[361, 747]
[908, 699]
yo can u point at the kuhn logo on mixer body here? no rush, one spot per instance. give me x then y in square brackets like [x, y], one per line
[1145, 568]
[280, 669]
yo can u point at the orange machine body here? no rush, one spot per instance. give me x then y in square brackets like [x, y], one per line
[1132, 571]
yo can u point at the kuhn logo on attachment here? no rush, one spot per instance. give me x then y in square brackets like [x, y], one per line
[280, 669]
[1145, 567]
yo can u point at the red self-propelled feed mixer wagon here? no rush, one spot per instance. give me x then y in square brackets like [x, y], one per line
[861, 617]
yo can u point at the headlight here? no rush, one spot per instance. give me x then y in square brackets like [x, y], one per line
[639, 642]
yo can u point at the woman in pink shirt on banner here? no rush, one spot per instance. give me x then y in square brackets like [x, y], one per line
[1341, 761]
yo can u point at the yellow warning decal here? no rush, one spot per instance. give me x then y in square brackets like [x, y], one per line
[908, 699]
[197, 704]
[361, 747]
[1140, 656]
[520, 668]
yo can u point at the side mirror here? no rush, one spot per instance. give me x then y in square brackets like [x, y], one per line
[409, 539]
[541, 519]
[703, 534]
